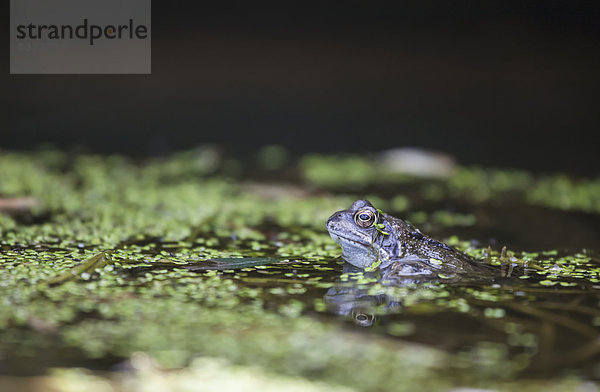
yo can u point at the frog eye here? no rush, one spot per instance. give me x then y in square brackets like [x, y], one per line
[364, 218]
[363, 319]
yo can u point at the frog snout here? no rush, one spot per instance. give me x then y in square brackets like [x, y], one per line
[332, 219]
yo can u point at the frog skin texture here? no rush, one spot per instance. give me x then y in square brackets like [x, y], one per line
[369, 237]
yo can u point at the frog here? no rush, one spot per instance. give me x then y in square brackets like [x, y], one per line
[371, 240]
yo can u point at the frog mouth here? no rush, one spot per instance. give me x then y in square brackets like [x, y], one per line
[351, 240]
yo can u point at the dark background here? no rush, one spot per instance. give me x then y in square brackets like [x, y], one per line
[504, 83]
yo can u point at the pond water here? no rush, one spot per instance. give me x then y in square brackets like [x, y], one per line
[96, 274]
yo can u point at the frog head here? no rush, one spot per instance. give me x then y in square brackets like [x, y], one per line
[363, 233]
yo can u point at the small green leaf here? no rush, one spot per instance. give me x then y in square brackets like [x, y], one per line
[373, 266]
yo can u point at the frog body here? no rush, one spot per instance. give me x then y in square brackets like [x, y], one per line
[370, 238]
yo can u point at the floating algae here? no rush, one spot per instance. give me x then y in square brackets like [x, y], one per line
[174, 257]
[103, 259]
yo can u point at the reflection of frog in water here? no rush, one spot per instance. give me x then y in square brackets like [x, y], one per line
[369, 237]
[350, 300]
[363, 305]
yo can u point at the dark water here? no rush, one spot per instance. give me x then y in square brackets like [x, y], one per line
[553, 327]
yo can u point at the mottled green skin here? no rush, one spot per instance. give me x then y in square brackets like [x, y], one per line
[401, 248]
